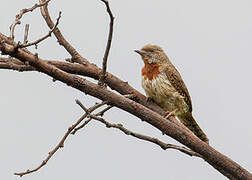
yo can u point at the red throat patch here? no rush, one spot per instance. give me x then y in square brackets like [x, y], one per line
[150, 71]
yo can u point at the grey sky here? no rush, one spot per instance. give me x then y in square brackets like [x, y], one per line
[208, 41]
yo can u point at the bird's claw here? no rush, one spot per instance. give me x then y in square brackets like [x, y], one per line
[149, 99]
[169, 114]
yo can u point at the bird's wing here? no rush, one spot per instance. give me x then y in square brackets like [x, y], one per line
[178, 83]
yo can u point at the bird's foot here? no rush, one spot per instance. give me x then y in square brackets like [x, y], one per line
[130, 96]
[169, 114]
[149, 99]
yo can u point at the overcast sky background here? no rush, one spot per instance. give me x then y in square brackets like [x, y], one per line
[208, 41]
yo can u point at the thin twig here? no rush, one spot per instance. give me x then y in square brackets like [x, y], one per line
[44, 37]
[162, 144]
[81, 126]
[76, 57]
[91, 109]
[105, 58]
[62, 141]
[51, 153]
[156, 141]
[20, 15]
[26, 33]
[101, 113]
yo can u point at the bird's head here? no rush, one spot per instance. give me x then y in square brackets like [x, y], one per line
[152, 54]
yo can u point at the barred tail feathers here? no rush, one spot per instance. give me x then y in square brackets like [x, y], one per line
[188, 120]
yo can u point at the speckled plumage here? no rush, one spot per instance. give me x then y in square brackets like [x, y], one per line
[163, 83]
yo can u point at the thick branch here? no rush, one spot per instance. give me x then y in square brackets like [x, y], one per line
[93, 71]
[222, 163]
[14, 64]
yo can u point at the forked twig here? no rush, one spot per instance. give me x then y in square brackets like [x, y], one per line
[101, 113]
[76, 57]
[44, 37]
[61, 143]
[20, 15]
[156, 141]
[105, 58]
[81, 126]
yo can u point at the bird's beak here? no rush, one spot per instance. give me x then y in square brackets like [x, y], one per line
[142, 53]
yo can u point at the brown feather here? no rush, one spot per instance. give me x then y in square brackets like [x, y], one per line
[188, 120]
[178, 83]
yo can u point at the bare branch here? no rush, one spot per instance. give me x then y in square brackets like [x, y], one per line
[156, 141]
[51, 153]
[76, 57]
[97, 105]
[82, 106]
[101, 113]
[14, 64]
[44, 37]
[62, 141]
[92, 71]
[81, 126]
[26, 33]
[105, 58]
[20, 15]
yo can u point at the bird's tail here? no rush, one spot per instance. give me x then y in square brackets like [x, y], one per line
[188, 120]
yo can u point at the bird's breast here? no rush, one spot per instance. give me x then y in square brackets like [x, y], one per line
[158, 87]
[164, 94]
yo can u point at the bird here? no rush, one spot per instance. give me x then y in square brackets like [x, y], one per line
[164, 85]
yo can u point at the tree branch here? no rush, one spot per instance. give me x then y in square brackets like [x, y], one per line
[26, 33]
[44, 37]
[92, 71]
[105, 58]
[76, 57]
[87, 121]
[156, 141]
[20, 15]
[62, 141]
[14, 64]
